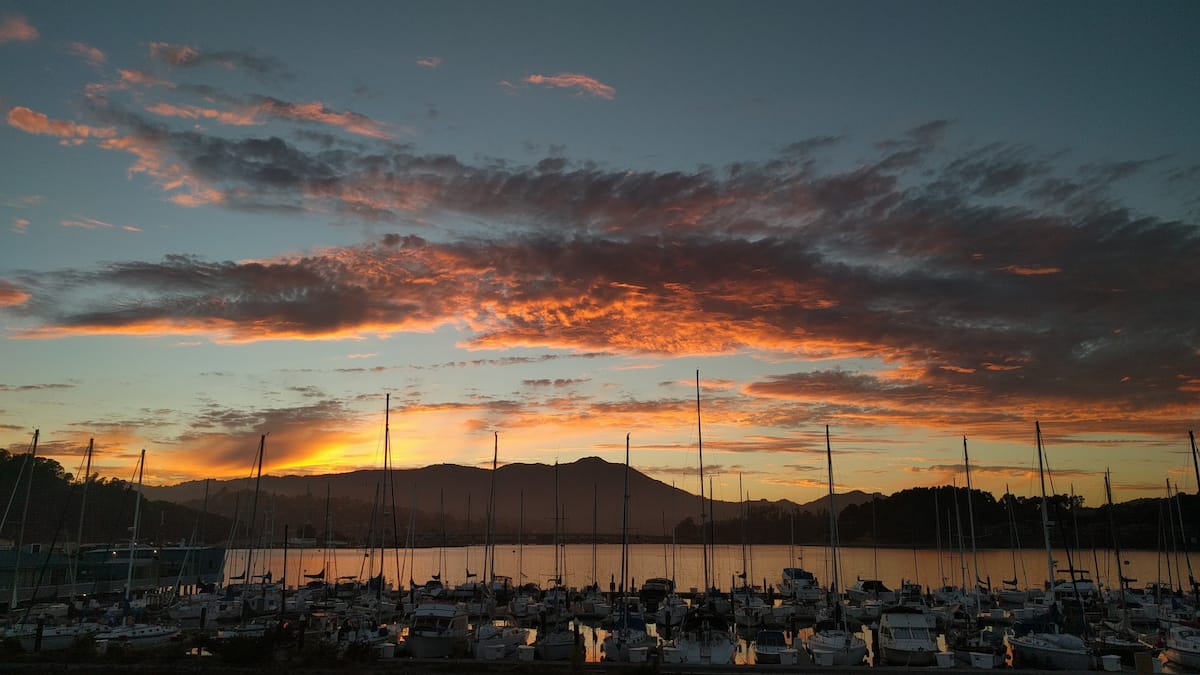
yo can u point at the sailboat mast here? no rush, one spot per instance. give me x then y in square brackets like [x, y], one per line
[1113, 528]
[971, 520]
[703, 513]
[625, 532]
[325, 549]
[87, 472]
[833, 584]
[383, 502]
[489, 553]
[467, 548]
[262, 442]
[937, 528]
[1045, 513]
[137, 515]
[557, 578]
[1195, 459]
[521, 542]
[31, 458]
[1183, 537]
[745, 567]
[595, 503]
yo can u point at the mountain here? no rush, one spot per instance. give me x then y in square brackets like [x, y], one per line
[300, 500]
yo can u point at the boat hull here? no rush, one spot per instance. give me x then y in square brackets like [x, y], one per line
[436, 646]
[1047, 652]
[898, 656]
[556, 647]
[840, 647]
[716, 651]
[1186, 658]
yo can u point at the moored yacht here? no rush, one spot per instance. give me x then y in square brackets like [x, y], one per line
[439, 629]
[1183, 647]
[1054, 651]
[905, 638]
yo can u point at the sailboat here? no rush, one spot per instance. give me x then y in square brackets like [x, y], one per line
[135, 636]
[704, 636]
[1012, 593]
[555, 639]
[501, 636]
[628, 634]
[831, 642]
[1060, 651]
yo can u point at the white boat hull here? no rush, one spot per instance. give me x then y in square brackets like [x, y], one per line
[718, 650]
[840, 647]
[1050, 651]
[436, 646]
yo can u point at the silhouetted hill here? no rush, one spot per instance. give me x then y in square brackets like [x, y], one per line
[527, 489]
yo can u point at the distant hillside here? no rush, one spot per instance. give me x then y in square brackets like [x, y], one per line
[300, 500]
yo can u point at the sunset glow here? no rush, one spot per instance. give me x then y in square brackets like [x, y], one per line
[842, 214]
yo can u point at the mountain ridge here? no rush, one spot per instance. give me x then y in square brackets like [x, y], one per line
[521, 488]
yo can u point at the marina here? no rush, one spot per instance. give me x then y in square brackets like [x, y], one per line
[462, 620]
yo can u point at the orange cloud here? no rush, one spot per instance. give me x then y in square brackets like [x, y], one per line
[93, 55]
[141, 78]
[315, 111]
[430, 62]
[16, 29]
[196, 112]
[21, 225]
[33, 122]
[11, 295]
[582, 83]
[154, 160]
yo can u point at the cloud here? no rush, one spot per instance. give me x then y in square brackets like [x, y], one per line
[16, 29]
[33, 387]
[33, 122]
[21, 225]
[24, 201]
[961, 302]
[197, 112]
[87, 223]
[89, 53]
[184, 56]
[584, 85]
[430, 62]
[260, 108]
[319, 113]
[12, 295]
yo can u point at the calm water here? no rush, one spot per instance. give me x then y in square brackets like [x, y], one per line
[536, 563]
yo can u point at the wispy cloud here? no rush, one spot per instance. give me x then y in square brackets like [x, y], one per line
[15, 28]
[582, 84]
[430, 61]
[185, 56]
[24, 201]
[87, 223]
[91, 54]
[33, 387]
[21, 225]
[194, 112]
[33, 122]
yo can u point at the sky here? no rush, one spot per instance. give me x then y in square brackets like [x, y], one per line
[914, 222]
